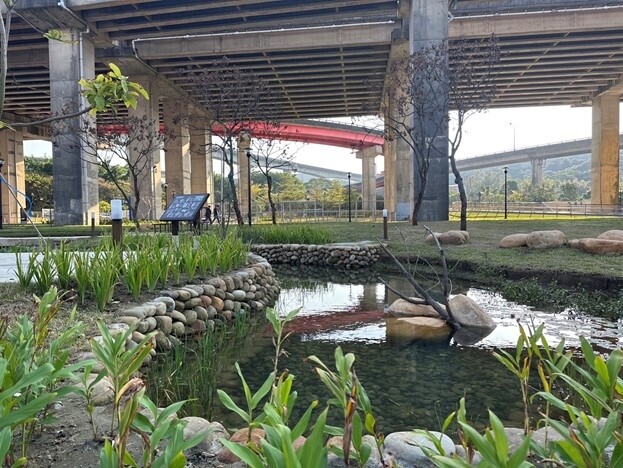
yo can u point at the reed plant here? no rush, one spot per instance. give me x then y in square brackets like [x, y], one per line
[188, 257]
[82, 274]
[64, 265]
[232, 252]
[133, 273]
[286, 234]
[104, 277]
[26, 274]
[45, 273]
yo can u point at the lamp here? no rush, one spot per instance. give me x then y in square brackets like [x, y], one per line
[116, 216]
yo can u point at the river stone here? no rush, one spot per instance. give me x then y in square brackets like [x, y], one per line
[614, 234]
[218, 304]
[468, 313]
[209, 289]
[161, 307]
[172, 294]
[195, 288]
[227, 314]
[131, 321]
[178, 329]
[404, 449]
[218, 283]
[229, 296]
[138, 312]
[103, 393]
[239, 295]
[129, 344]
[468, 336]
[137, 337]
[142, 326]
[180, 306]
[194, 302]
[406, 329]
[251, 272]
[183, 295]
[207, 300]
[164, 324]
[214, 431]
[514, 240]
[162, 342]
[600, 246]
[116, 329]
[211, 312]
[221, 294]
[228, 305]
[175, 342]
[402, 308]
[545, 239]
[191, 317]
[152, 324]
[226, 456]
[335, 461]
[167, 301]
[178, 316]
[515, 438]
[202, 313]
[198, 327]
[250, 296]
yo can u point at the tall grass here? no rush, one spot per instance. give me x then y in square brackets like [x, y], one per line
[287, 234]
[142, 262]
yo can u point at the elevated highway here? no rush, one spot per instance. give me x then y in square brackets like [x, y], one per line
[321, 58]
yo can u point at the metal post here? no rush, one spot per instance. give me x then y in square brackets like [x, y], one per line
[505, 192]
[349, 204]
[249, 186]
[1, 180]
[116, 216]
[385, 213]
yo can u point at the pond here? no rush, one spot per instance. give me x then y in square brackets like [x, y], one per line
[411, 384]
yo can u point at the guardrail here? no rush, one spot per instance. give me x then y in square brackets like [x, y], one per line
[493, 210]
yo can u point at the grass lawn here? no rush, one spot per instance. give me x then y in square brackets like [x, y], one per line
[485, 235]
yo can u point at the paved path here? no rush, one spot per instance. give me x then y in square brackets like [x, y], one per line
[8, 260]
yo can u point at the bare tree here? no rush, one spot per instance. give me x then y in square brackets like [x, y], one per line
[129, 141]
[472, 88]
[236, 100]
[271, 152]
[422, 87]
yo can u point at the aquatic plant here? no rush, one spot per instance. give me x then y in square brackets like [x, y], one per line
[285, 234]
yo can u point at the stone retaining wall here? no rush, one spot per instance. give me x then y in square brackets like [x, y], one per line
[348, 256]
[194, 309]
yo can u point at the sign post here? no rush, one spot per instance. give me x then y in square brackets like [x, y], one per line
[184, 207]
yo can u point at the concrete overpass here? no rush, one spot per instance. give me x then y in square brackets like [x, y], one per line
[322, 58]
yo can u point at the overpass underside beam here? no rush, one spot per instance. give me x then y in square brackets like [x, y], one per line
[605, 151]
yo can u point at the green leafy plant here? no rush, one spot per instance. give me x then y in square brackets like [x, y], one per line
[45, 271]
[104, 277]
[25, 275]
[63, 264]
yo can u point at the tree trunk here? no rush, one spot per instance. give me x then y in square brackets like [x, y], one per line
[232, 184]
[463, 196]
[269, 189]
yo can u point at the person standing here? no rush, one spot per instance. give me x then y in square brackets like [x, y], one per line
[217, 214]
[208, 215]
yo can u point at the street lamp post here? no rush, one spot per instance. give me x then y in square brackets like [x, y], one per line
[511, 124]
[249, 186]
[505, 192]
[1, 180]
[349, 204]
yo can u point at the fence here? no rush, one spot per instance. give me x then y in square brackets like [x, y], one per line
[535, 209]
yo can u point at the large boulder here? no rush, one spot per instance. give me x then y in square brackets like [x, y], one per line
[615, 234]
[514, 240]
[545, 239]
[469, 314]
[407, 329]
[402, 308]
[449, 237]
[600, 246]
[405, 449]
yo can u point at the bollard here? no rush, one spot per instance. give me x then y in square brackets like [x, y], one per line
[385, 224]
[92, 223]
[116, 216]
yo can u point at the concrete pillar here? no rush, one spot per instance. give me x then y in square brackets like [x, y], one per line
[428, 25]
[605, 151]
[176, 148]
[76, 192]
[202, 177]
[12, 151]
[244, 143]
[146, 162]
[369, 299]
[389, 183]
[368, 179]
[537, 171]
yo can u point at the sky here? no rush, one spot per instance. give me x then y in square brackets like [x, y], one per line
[489, 132]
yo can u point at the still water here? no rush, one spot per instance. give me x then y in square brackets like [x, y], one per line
[411, 384]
